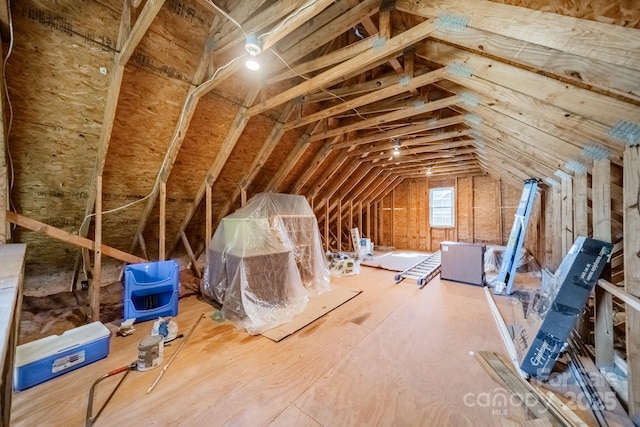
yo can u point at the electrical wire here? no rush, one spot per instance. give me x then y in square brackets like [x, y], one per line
[324, 90]
[6, 91]
[180, 121]
[226, 15]
[291, 16]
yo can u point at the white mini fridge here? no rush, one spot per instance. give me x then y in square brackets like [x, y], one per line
[463, 262]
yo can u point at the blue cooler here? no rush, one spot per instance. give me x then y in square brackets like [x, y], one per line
[52, 356]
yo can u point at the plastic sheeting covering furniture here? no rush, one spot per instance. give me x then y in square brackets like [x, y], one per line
[264, 261]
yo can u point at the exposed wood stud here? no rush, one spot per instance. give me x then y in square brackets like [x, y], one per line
[601, 218]
[194, 262]
[632, 271]
[94, 294]
[163, 220]
[209, 218]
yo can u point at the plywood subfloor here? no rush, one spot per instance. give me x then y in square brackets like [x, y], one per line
[395, 355]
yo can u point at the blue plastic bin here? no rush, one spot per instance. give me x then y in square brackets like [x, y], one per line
[52, 356]
[151, 290]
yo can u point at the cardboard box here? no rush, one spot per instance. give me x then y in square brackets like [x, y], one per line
[541, 339]
[52, 356]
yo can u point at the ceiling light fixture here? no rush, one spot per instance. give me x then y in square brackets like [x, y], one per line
[396, 147]
[429, 170]
[253, 46]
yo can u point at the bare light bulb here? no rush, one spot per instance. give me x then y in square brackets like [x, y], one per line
[252, 64]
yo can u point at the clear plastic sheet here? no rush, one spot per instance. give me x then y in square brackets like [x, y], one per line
[264, 261]
[526, 266]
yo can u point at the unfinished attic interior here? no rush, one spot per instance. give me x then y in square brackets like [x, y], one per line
[151, 134]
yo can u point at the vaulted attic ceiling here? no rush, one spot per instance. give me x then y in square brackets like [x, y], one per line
[156, 93]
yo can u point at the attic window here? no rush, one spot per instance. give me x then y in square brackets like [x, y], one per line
[441, 214]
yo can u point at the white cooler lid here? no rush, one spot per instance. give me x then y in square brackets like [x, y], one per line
[54, 344]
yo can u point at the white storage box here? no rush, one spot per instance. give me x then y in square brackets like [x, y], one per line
[50, 357]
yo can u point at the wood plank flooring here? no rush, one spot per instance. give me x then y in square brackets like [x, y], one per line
[394, 355]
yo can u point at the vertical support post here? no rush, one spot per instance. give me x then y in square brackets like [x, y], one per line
[163, 211]
[353, 248]
[243, 196]
[580, 207]
[368, 222]
[94, 296]
[499, 199]
[567, 215]
[601, 217]
[556, 227]
[339, 225]
[4, 171]
[209, 218]
[393, 212]
[326, 225]
[360, 219]
[632, 272]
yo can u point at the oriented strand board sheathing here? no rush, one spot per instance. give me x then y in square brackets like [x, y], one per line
[312, 183]
[248, 145]
[401, 203]
[301, 166]
[510, 200]
[485, 211]
[209, 126]
[464, 209]
[418, 214]
[57, 95]
[148, 108]
[275, 161]
[621, 12]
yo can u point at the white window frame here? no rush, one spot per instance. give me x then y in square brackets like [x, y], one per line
[437, 208]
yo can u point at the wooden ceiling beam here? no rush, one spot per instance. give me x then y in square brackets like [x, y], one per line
[436, 141]
[344, 174]
[527, 148]
[591, 105]
[547, 148]
[357, 179]
[432, 163]
[355, 192]
[292, 159]
[235, 130]
[228, 33]
[413, 83]
[401, 131]
[353, 89]
[269, 40]
[327, 173]
[331, 58]
[386, 191]
[509, 147]
[570, 128]
[614, 80]
[273, 15]
[129, 39]
[259, 160]
[311, 167]
[498, 169]
[340, 17]
[421, 108]
[418, 157]
[360, 62]
[590, 39]
[511, 165]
